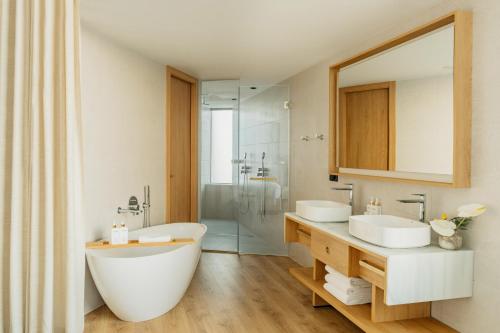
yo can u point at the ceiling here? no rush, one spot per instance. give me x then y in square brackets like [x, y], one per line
[258, 41]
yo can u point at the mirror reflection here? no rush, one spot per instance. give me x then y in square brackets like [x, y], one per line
[395, 109]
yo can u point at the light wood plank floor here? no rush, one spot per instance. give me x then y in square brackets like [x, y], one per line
[231, 293]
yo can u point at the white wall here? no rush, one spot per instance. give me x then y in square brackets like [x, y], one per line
[309, 163]
[123, 104]
[424, 125]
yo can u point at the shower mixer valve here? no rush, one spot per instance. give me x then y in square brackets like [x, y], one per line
[245, 169]
[263, 172]
[133, 207]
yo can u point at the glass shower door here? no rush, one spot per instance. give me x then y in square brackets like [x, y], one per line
[218, 168]
[262, 191]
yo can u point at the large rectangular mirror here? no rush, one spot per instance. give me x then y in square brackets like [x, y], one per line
[402, 110]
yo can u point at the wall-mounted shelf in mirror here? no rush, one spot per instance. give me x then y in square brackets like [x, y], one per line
[402, 110]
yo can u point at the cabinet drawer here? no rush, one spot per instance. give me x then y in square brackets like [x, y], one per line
[331, 251]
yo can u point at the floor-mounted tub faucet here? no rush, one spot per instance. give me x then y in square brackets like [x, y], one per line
[422, 201]
[146, 222]
[349, 187]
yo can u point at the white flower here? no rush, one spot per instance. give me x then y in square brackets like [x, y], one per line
[471, 210]
[443, 227]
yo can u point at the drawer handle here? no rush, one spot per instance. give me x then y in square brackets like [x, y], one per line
[371, 268]
[327, 249]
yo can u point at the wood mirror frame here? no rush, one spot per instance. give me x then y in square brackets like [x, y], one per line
[462, 101]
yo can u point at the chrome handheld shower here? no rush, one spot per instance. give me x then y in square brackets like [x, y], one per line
[263, 172]
[245, 170]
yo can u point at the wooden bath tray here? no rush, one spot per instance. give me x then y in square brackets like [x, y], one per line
[102, 245]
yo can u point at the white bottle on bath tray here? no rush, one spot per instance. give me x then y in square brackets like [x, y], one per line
[123, 233]
[115, 235]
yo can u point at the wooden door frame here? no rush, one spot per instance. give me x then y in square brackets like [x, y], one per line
[175, 73]
[391, 88]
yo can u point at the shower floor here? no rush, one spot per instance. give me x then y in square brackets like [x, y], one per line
[222, 235]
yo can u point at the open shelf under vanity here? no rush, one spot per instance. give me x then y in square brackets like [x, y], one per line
[360, 315]
[400, 302]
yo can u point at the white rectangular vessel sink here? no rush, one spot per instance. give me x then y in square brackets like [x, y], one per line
[390, 231]
[323, 210]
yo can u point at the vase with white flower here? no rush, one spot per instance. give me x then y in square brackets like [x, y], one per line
[450, 230]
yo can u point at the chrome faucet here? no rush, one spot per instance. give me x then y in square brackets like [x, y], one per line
[348, 188]
[422, 201]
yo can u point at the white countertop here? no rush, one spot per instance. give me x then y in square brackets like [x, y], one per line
[341, 230]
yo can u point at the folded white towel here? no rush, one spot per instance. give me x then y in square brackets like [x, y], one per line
[154, 239]
[344, 280]
[344, 285]
[348, 299]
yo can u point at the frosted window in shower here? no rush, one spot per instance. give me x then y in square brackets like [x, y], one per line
[221, 169]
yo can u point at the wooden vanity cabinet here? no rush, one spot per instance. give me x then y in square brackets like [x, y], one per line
[331, 245]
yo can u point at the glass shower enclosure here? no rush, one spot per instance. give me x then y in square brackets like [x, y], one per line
[244, 166]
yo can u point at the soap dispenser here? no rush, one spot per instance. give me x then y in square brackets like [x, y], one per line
[374, 207]
[377, 207]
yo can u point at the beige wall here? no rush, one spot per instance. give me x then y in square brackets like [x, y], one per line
[308, 166]
[424, 126]
[123, 104]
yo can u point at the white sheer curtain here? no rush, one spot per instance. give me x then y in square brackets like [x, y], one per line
[41, 237]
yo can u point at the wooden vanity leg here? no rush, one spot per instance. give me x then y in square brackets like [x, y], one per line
[381, 312]
[318, 275]
[317, 301]
[319, 270]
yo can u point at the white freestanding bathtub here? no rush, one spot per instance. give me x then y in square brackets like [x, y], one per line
[142, 283]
